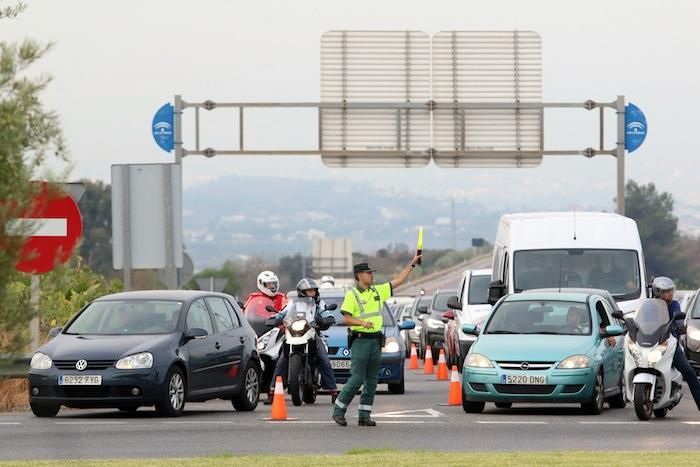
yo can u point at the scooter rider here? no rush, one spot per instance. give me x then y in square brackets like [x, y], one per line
[268, 285]
[663, 288]
[308, 288]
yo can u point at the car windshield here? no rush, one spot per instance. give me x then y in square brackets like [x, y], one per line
[479, 290]
[540, 317]
[127, 317]
[650, 319]
[614, 270]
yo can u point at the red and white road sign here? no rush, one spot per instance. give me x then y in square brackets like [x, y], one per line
[54, 226]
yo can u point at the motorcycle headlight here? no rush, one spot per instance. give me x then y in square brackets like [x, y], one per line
[262, 341]
[40, 361]
[391, 345]
[656, 354]
[298, 326]
[434, 323]
[135, 362]
[575, 361]
[476, 360]
[634, 350]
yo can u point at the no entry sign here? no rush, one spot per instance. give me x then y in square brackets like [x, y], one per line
[53, 225]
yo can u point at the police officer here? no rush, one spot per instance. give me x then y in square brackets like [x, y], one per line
[362, 311]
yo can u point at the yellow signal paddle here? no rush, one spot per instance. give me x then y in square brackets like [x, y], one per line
[419, 245]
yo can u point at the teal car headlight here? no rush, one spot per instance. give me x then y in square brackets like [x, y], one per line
[391, 345]
[476, 360]
[575, 361]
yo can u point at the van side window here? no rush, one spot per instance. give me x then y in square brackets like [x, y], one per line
[505, 271]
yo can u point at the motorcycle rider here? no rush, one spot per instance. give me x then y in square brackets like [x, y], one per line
[327, 282]
[663, 288]
[268, 286]
[308, 288]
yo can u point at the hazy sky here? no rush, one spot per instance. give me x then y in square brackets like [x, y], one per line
[116, 62]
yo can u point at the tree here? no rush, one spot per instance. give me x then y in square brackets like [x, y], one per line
[28, 135]
[658, 230]
[96, 208]
[228, 270]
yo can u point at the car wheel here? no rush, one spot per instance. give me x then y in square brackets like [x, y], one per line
[472, 407]
[595, 406]
[619, 401]
[44, 410]
[173, 402]
[398, 388]
[660, 413]
[247, 398]
[504, 405]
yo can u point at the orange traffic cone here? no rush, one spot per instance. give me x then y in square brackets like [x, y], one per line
[413, 363]
[442, 367]
[455, 388]
[428, 366]
[279, 405]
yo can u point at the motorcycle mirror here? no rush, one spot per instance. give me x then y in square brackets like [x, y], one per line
[678, 315]
[331, 307]
[271, 309]
[617, 314]
[270, 322]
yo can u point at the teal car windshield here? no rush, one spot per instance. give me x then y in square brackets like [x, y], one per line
[540, 317]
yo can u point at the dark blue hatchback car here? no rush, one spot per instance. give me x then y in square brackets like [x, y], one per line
[148, 348]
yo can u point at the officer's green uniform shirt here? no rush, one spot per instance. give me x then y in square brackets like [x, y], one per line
[371, 301]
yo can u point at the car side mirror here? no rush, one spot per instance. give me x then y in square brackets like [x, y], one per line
[448, 315]
[497, 290]
[454, 303]
[422, 309]
[406, 325]
[612, 331]
[271, 309]
[331, 307]
[618, 314]
[469, 328]
[421, 317]
[55, 331]
[197, 333]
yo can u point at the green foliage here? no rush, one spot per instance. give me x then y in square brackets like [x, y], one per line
[229, 270]
[96, 208]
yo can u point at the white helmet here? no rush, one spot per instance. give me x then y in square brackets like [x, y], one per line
[327, 282]
[268, 283]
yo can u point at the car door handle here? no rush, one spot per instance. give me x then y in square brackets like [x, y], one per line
[243, 339]
[217, 345]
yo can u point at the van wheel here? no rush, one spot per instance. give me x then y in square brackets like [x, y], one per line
[172, 403]
[44, 410]
[247, 398]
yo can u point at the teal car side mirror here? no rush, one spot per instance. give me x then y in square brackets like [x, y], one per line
[469, 328]
[613, 330]
[406, 325]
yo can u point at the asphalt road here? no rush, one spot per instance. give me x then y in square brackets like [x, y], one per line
[421, 423]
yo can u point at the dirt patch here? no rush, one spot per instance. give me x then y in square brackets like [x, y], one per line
[14, 394]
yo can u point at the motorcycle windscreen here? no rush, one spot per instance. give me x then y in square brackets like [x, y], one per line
[650, 322]
[300, 308]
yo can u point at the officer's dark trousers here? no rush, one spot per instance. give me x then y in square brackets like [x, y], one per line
[364, 369]
[680, 363]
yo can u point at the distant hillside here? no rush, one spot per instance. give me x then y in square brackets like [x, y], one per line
[233, 216]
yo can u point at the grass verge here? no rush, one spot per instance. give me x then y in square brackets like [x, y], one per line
[13, 394]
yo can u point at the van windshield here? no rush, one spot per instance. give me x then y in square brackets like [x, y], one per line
[616, 271]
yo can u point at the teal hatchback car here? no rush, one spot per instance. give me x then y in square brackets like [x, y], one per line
[546, 347]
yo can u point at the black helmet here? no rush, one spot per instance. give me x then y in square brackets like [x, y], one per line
[307, 284]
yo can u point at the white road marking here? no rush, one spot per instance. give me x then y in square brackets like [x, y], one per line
[503, 422]
[324, 422]
[692, 423]
[10, 423]
[419, 413]
[35, 227]
[615, 423]
[91, 423]
[201, 422]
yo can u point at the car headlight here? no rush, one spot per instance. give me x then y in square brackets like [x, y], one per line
[135, 362]
[298, 326]
[656, 354]
[476, 360]
[693, 334]
[391, 345]
[40, 361]
[434, 323]
[575, 361]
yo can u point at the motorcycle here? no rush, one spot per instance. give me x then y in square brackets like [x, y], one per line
[653, 384]
[300, 338]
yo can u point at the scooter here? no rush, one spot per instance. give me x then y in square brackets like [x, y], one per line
[653, 385]
[269, 348]
[300, 337]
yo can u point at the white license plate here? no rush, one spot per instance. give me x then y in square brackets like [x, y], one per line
[80, 380]
[523, 379]
[340, 364]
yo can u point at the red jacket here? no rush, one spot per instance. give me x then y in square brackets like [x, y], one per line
[279, 300]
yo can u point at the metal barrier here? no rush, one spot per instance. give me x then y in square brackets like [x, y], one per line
[14, 366]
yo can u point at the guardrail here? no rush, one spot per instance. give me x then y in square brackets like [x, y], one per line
[415, 285]
[14, 366]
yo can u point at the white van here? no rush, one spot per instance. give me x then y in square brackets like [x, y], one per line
[472, 308]
[570, 249]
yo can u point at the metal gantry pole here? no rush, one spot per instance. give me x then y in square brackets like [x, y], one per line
[126, 227]
[170, 270]
[620, 154]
